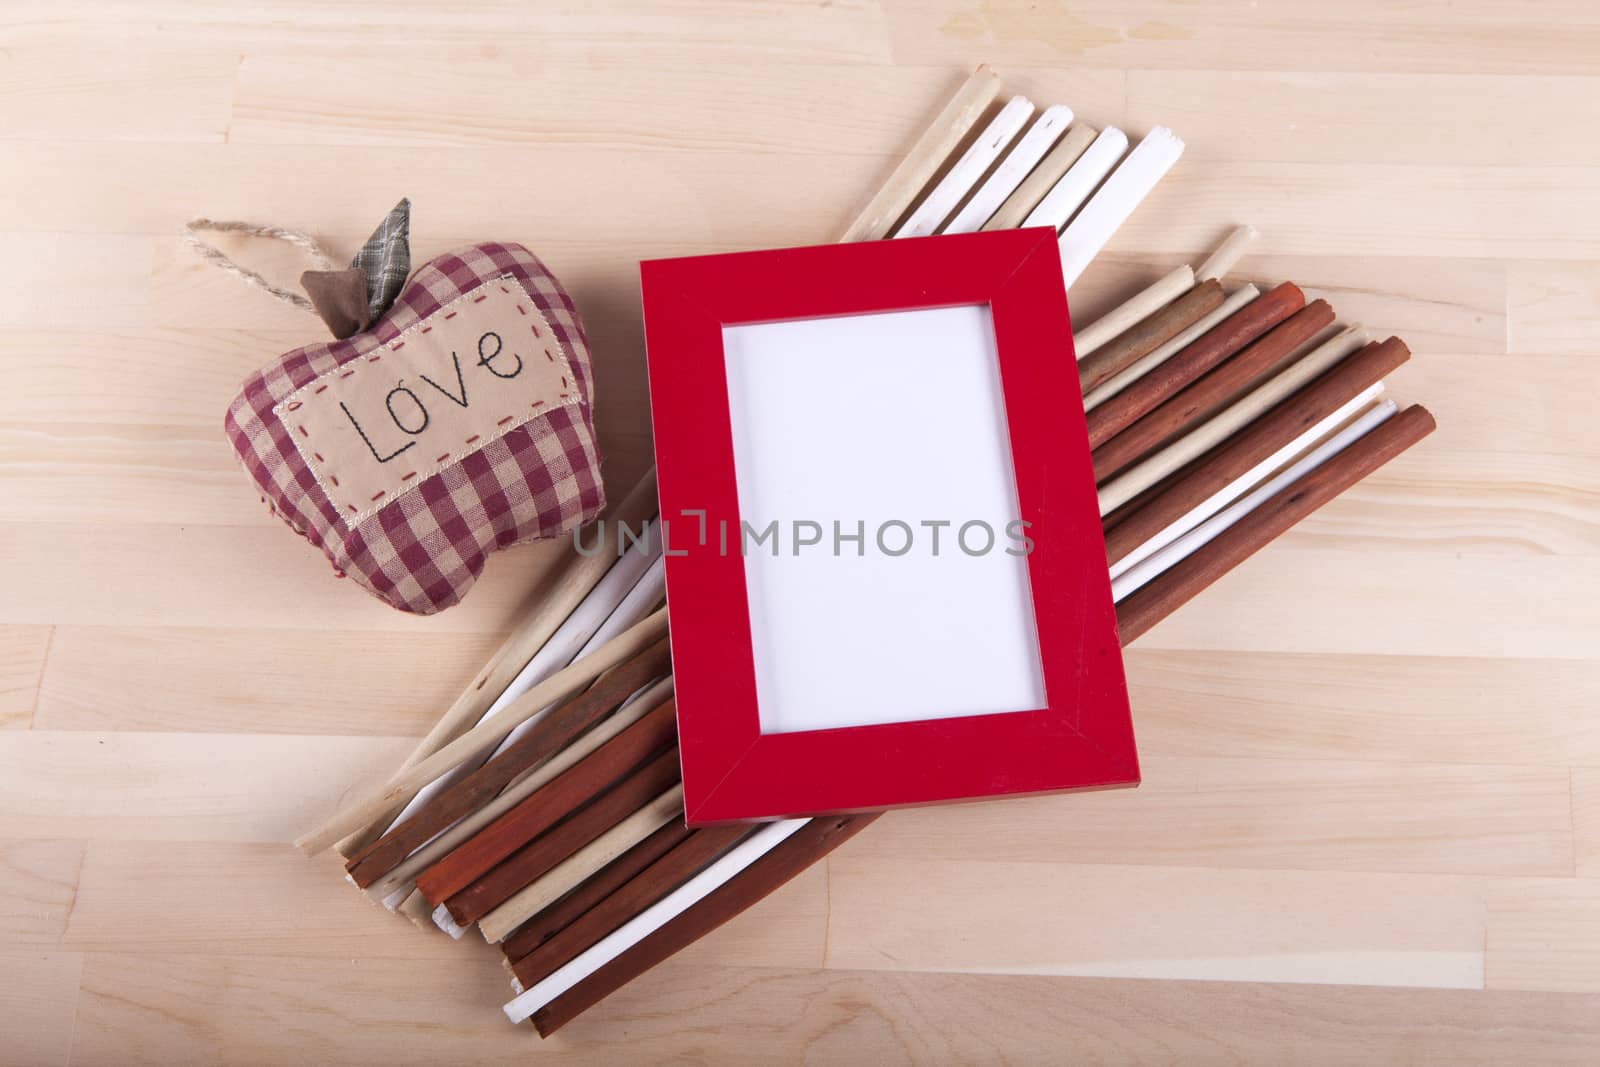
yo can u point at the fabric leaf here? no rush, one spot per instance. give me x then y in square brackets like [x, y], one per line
[386, 258]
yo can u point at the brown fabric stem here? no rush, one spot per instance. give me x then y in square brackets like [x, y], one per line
[340, 297]
[1147, 516]
[1141, 611]
[1212, 390]
[548, 736]
[1144, 337]
[545, 807]
[1208, 350]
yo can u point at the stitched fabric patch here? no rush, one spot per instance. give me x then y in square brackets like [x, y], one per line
[531, 473]
[405, 411]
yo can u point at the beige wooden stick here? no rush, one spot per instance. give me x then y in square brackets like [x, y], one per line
[575, 869]
[1133, 310]
[1217, 429]
[482, 738]
[1138, 369]
[1042, 178]
[405, 873]
[579, 575]
[417, 910]
[937, 143]
[1227, 255]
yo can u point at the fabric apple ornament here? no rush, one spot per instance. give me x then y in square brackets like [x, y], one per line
[451, 416]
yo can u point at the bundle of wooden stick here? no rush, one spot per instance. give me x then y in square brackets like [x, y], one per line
[545, 808]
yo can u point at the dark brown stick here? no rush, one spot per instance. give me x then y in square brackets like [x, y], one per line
[1251, 446]
[536, 858]
[677, 867]
[548, 805]
[1144, 337]
[1211, 390]
[1211, 348]
[548, 736]
[1175, 588]
[810, 843]
[612, 877]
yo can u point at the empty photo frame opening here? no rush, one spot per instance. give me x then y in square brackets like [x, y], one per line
[884, 555]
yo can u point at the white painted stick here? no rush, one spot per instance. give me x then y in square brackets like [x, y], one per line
[441, 919]
[1080, 181]
[571, 872]
[1016, 166]
[1228, 254]
[972, 165]
[1020, 204]
[1223, 425]
[1180, 549]
[1138, 369]
[481, 738]
[1111, 205]
[639, 602]
[1133, 311]
[652, 918]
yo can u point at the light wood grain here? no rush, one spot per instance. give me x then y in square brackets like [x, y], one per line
[1328, 706]
[1544, 933]
[38, 885]
[1267, 814]
[1158, 922]
[1551, 305]
[791, 1016]
[177, 1013]
[203, 680]
[294, 907]
[1369, 35]
[1325, 116]
[1371, 756]
[109, 93]
[1538, 604]
[22, 656]
[39, 998]
[134, 786]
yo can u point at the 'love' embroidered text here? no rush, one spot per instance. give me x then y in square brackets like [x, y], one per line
[466, 375]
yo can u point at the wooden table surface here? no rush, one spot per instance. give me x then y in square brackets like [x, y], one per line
[1370, 823]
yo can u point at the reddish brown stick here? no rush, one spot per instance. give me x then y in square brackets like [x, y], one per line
[1212, 390]
[572, 907]
[1175, 588]
[677, 867]
[810, 843]
[548, 736]
[554, 801]
[1252, 445]
[1145, 336]
[538, 856]
[1211, 348]
[1135, 616]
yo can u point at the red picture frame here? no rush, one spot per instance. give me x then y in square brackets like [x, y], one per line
[1082, 737]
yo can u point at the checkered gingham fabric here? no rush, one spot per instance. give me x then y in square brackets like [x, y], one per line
[422, 551]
